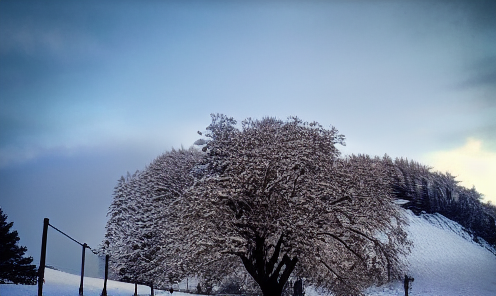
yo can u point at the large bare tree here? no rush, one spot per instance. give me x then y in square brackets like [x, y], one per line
[275, 197]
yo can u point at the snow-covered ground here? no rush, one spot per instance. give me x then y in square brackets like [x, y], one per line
[58, 283]
[443, 261]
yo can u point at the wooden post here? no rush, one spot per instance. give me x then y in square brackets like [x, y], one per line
[82, 270]
[41, 269]
[104, 292]
[406, 282]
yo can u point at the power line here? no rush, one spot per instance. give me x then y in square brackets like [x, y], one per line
[68, 236]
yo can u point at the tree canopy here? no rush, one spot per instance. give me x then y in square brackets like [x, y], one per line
[275, 196]
[15, 268]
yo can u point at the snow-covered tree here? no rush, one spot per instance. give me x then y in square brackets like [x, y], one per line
[15, 267]
[137, 229]
[490, 209]
[275, 198]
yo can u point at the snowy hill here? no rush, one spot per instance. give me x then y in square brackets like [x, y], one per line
[443, 261]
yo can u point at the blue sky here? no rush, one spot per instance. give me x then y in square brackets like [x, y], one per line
[90, 90]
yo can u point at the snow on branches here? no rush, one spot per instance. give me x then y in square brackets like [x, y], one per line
[140, 218]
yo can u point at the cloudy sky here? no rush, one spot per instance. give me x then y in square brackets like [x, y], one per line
[91, 90]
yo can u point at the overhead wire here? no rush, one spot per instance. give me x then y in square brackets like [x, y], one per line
[68, 236]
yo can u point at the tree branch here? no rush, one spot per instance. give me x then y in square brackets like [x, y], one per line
[294, 185]
[258, 255]
[346, 198]
[333, 272]
[275, 255]
[288, 270]
[265, 181]
[342, 242]
[284, 261]
[249, 267]
[378, 244]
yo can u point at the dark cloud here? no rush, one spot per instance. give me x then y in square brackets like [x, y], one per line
[485, 131]
[483, 79]
[481, 75]
[481, 13]
[477, 14]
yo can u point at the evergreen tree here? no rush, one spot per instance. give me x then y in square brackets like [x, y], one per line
[14, 267]
[139, 218]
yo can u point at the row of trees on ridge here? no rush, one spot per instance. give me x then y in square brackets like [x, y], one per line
[434, 192]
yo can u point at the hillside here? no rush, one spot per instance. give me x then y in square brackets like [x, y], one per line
[444, 261]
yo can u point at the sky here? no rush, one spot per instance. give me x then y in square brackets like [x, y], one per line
[92, 90]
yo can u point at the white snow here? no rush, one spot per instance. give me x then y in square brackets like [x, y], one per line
[58, 283]
[443, 261]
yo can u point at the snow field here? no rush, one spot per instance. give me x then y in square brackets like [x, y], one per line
[58, 283]
[444, 261]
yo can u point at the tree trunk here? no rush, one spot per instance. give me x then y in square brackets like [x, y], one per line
[271, 290]
[268, 274]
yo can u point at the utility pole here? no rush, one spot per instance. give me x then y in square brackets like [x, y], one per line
[41, 269]
[82, 270]
[406, 282]
[104, 292]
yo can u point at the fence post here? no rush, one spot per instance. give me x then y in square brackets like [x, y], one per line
[82, 270]
[104, 292]
[41, 269]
